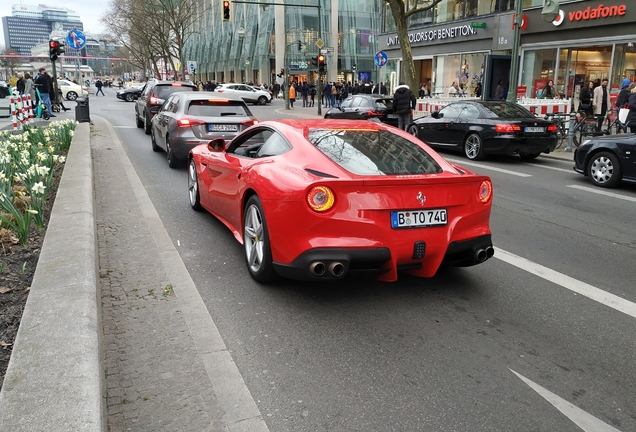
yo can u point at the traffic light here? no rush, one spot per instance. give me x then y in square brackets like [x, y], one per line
[55, 49]
[226, 10]
[321, 63]
[354, 68]
[314, 61]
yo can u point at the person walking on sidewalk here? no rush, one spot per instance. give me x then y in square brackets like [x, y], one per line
[403, 105]
[304, 92]
[601, 102]
[43, 83]
[292, 95]
[99, 85]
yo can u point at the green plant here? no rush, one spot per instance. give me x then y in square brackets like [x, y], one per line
[23, 269]
[168, 290]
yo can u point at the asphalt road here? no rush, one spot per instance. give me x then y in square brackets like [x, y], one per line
[540, 338]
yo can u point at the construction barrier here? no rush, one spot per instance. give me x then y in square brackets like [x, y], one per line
[426, 106]
[30, 107]
[14, 113]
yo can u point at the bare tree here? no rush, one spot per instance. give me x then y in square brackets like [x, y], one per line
[401, 11]
[155, 30]
[9, 64]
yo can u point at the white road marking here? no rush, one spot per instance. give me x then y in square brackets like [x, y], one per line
[569, 171]
[577, 286]
[582, 419]
[600, 191]
[501, 170]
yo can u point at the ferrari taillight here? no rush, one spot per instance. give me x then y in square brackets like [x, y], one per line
[485, 191]
[507, 128]
[320, 198]
[185, 122]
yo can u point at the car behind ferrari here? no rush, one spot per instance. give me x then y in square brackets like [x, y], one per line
[323, 199]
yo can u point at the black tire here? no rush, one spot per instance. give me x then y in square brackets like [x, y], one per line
[414, 130]
[604, 170]
[138, 121]
[173, 162]
[529, 156]
[130, 97]
[474, 147]
[258, 253]
[153, 141]
[147, 124]
[71, 95]
[193, 186]
[262, 100]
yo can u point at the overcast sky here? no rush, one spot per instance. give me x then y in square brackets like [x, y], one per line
[91, 12]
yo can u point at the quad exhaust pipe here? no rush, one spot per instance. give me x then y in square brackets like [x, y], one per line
[319, 268]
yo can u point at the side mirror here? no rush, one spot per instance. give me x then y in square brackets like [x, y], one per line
[436, 114]
[217, 145]
[341, 108]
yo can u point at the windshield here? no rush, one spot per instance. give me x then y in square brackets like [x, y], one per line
[372, 152]
[214, 108]
[506, 110]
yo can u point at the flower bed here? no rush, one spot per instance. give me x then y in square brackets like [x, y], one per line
[31, 165]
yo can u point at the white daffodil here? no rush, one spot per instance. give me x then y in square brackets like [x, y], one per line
[43, 170]
[38, 188]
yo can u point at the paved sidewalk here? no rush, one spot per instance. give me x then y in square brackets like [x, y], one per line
[159, 374]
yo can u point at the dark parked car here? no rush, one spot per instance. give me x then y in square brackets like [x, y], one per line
[607, 160]
[365, 107]
[188, 119]
[131, 94]
[154, 95]
[479, 128]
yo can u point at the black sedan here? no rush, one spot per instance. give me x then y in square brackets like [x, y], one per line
[479, 128]
[365, 107]
[607, 160]
[132, 93]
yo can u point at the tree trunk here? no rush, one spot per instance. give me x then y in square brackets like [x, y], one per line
[408, 70]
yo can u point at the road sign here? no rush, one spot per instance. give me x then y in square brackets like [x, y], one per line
[75, 39]
[319, 43]
[192, 66]
[327, 49]
[478, 24]
[380, 58]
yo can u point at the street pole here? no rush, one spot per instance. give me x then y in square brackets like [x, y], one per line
[514, 61]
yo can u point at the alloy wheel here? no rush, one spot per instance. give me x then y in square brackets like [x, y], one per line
[253, 238]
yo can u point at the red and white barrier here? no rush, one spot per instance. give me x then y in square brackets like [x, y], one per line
[426, 106]
[30, 108]
[13, 113]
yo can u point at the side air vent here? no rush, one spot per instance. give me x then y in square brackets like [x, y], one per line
[319, 173]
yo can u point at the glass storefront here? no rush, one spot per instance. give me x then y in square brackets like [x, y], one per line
[466, 69]
[570, 67]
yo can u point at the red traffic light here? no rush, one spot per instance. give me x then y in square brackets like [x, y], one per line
[54, 44]
[226, 10]
[321, 59]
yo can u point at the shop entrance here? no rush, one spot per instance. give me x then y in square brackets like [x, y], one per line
[423, 73]
[580, 65]
[497, 69]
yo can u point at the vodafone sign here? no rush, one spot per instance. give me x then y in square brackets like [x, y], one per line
[590, 13]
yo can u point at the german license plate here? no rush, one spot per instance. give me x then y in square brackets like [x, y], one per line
[222, 128]
[532, 129]
[418, 218]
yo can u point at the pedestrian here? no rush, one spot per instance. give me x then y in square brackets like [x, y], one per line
[499, 91]
[60, 99]
[312, 95]
[548, 91]
[423, 92]
[631, 116]
[333, 92]
[625, 93]
[586, 95]
[327, 95]
[29, 90]
[292, 95]
[44, 87]
[478, 90]
[601, 101]
[455, 90]
[403, 105]
[304, 92]
[99, 85]
[344, 92]
[19, 85]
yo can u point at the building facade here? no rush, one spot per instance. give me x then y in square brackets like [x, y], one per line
[29, 26]
[470, 41]
[260, 40]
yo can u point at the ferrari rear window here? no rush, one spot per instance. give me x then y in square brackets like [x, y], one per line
[372, 152]
[214, 108]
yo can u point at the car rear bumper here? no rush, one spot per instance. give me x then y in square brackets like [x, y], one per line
[508, 144]
[324, 264]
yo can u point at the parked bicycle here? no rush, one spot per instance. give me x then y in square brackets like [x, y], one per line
[561, 120]
[613, 125]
